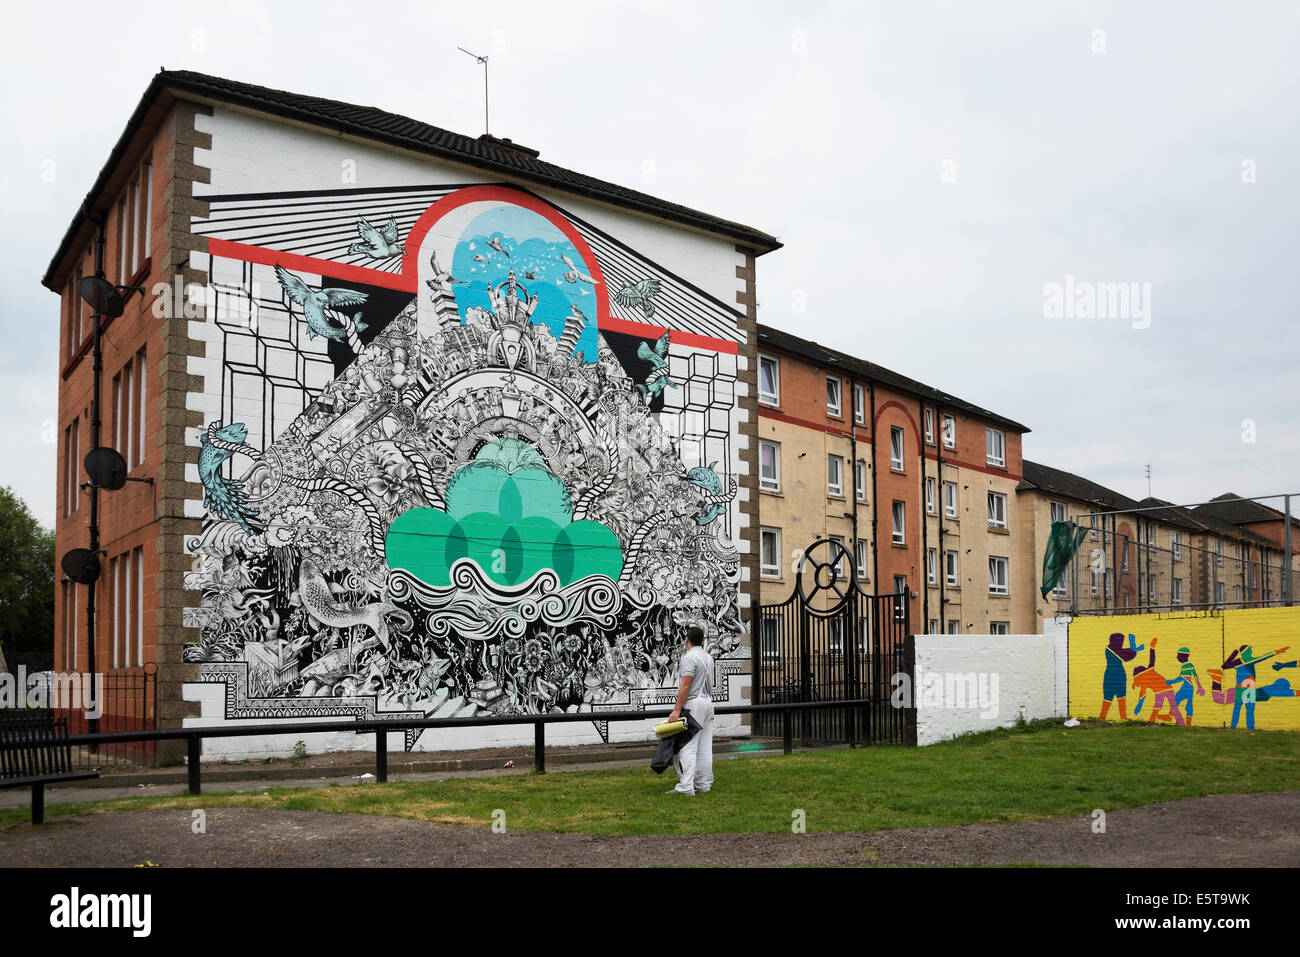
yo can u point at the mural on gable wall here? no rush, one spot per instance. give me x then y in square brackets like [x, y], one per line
[503, 498]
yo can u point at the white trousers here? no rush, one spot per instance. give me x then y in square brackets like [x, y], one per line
[694, 762]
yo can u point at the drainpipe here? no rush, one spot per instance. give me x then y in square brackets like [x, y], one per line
[942, 569]
[97, 367]
[925, 532]
[875, 502]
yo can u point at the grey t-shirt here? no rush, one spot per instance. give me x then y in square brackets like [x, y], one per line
[697, 663]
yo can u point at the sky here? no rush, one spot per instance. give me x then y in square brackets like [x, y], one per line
[933, 169]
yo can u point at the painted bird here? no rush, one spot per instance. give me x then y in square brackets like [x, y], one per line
[224, 497]
[715, 499]
[495, 243]
[658, 379]
[440, 276]
[377, 243]
[314, 302]
[639, 295]
[480, 259]
[531, 274]
[575, 274]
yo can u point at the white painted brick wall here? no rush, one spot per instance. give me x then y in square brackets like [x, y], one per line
[1027, 672]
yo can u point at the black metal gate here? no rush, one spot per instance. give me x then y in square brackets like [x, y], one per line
[831, 641]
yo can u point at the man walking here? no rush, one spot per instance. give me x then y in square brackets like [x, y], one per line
[694, 762]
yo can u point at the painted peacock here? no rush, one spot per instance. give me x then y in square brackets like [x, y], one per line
[224, 497]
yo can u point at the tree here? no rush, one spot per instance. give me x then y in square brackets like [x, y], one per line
[26, 584]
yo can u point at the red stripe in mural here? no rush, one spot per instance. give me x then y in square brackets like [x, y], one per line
[614, 324]
[408, 279]
[322, 267]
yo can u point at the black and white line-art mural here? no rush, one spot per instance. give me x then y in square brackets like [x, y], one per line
[481, 490]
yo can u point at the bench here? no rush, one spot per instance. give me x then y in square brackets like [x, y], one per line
[34, 752]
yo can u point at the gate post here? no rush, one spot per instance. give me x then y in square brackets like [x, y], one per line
[909, 668]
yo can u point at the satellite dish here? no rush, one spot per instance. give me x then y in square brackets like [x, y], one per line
[81, 565]
[106, 468]
[101, 295]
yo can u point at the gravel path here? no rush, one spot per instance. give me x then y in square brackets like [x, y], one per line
[1235, 830]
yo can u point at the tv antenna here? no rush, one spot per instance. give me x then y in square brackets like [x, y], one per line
[1148, 480]
[483, 60]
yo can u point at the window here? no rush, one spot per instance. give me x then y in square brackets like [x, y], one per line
[949, 432]
[997, 575]
[769, 466]
[146, 224]
[995, 442]
[833, 396]
[835, 636]
[896, 448]
[834, 475]
[860, 549]
[933, 627]
[1124, 601]
[997, 509]
[139, 404]
[954, 627]
[1093, 582]
[999, 628]
[126, 608]
[1123, 551]
[1176, 544]
[1061, 590]
[770, 636]
[950, 570]
[1106, 583]
[769, 380]
[69, 626]
[950, 499]
[930, 494]
[1218, 593]
[860, 479]
[899, 515]
[769, 552]
[123, 234]
[1058, 512]
[1176, 591]
[1218, 552]
[840, 570]
[1092, 527]
[932, 566]
[1236, 594]
[1142, 586]
[859, 406]
[900, 597]
[929, 426]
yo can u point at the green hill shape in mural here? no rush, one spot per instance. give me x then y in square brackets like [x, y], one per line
[511, 516]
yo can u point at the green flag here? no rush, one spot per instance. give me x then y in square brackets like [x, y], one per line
[1061, 546]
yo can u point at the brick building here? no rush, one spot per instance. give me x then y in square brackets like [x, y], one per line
[385, 377]
[1143, 555]
[917, 484]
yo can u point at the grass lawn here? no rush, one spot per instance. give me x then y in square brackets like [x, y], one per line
[1018, 774]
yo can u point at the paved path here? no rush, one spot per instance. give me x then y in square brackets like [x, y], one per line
[1247, 830]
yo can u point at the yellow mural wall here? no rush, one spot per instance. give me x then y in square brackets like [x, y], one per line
[1231, 669]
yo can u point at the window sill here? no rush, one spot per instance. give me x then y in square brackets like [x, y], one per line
[999, 530]
[902, 545]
